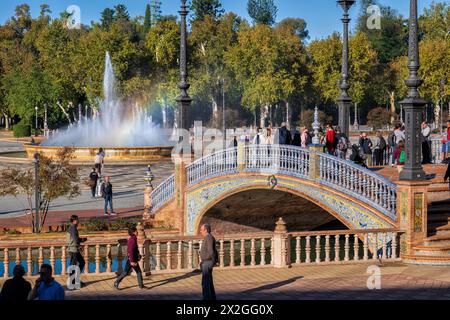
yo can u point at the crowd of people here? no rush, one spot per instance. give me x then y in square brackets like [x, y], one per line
[46, 287]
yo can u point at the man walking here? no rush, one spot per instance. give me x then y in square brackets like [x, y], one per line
[133, 259]
[93, 179]
[284, 135]
[209, 256]
[99, 160]
[107, 194]
[74, 244]
[342, 144]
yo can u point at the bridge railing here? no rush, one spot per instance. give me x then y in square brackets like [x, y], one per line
[163, 193]
[178, 254]
[217, 164]
[327, 247]
[362, 183]
[273, 159]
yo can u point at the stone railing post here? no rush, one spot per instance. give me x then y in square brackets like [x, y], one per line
[147, 202]
[241, 156]
[281, 246]
[314, 161]
[180, 192]
[143, 244]
[412, 213]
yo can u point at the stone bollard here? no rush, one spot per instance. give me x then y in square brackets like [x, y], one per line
[143, 244]
[240, 156]
[314, 161]
[281, 246]
[147, 203]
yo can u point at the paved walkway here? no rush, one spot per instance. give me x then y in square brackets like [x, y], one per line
[305, 282]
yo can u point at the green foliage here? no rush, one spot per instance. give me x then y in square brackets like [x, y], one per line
[262, 11]
[99, 224]
[96, 224]
[147, 19]
[203, 8]
[21, 130]
[379, 118]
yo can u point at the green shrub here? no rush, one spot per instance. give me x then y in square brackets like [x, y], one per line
[21, 130]
[123, 224]
[96, 224]
[39, 132]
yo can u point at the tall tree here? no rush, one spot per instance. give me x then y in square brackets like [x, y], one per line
[147, 19]
[262, 11]
[435, 21]
[203, 8]
[121, 12]
[296, 26]
[107, 18]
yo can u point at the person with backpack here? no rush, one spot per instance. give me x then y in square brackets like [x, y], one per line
[210, 258]
[366, 146]
[133, 259]
[400, 156]
[380, 147]
[342, 144]
[93, 179]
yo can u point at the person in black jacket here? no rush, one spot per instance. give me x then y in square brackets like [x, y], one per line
[93, 178]
[74, 244]
[208, 254]
[107, 194]
[16, 289]
[366, 146]
[133, 259]
[284, 135]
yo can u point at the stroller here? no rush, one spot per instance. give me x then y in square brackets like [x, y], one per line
[358, 156]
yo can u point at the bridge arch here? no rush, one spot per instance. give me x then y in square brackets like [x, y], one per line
[353, 213]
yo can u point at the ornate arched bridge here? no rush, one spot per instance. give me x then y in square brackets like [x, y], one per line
[358, 197]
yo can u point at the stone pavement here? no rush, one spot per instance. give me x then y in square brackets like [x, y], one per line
[312, 282]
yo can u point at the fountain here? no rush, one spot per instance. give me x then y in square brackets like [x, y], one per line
[124, 132]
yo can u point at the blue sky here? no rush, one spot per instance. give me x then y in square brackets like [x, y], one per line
[322, 16]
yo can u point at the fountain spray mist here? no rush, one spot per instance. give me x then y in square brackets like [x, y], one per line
[116, 125]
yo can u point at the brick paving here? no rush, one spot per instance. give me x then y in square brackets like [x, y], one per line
[347, 282]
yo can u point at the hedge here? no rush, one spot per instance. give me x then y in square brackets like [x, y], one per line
[22, 130]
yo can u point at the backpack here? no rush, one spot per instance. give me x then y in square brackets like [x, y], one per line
[382, 143]
[401, 159]
[342, 144]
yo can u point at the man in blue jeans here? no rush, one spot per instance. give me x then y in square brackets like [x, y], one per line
[107, 194]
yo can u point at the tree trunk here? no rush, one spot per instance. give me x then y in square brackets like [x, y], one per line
[392, 102]
[6, 121]
[215, 114]
[264, 113]
[65, 112]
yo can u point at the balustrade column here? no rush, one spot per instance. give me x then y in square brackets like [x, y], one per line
[221, 254]
[41, 257]
[200, 243]
[6, 263]
[30, 262]
[263, 252]
[366, 249]
[355, 247]
[232, 253]
[17, 256]
[347, 248]
[242, 252]
[308, 249]
[297, 251]
[52, 258]
[375, 249]
[317, 249]
[337, 247]
[97, 259]
[108, 258]
[190, 255]
[180, 256]
[158, 256]
[394, 246]
[169, 256]
[384, 256]
[252, 253]
[327, 248]
[86, 257]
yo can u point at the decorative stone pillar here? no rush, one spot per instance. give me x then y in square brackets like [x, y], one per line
[180, 192]
[281, 246]
[147, 203]
[315, 148]
[143, 250]
[412, 214]
[241, 156]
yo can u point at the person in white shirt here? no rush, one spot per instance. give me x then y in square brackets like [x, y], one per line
[99, 160]
[426, 148]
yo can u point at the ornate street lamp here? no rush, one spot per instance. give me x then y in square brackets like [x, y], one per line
[149, 177]
[344, 101]
[45, 121]
[316, 127]
[413, 105]
[36, 123]
[183, 100]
